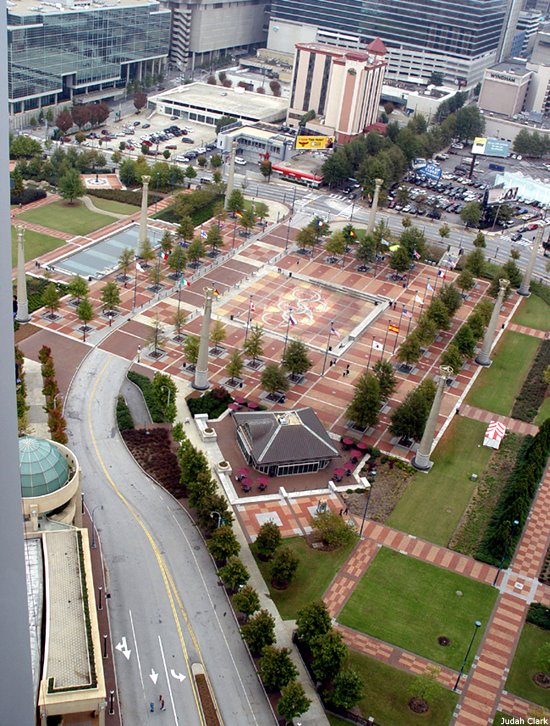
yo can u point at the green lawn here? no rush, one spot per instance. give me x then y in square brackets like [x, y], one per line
[313, 576]
[497, 387]
[524, 666]
[544, 412]
[109, 205]
[74, 219]
[336, 720]
[410, 603]
[499, 718]
[433, 503]
[386, 695]
[533, 313]
[36, 244]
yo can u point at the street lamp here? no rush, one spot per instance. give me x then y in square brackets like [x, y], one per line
[477, 627]
[98, 506]
[505, 553]
[220, 518]
[368, 488]
[165, 388]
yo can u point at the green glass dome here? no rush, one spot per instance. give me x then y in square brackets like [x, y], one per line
[42, 467]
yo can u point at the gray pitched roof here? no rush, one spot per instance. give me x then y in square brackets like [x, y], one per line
[278, 437]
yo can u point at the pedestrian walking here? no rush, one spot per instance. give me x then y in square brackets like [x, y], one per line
[160, 698]
[138, 355]
[347, 367]
[346, 510]
[162, 705]
[187, 420]
[152, 707]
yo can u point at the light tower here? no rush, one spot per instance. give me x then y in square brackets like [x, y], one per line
[422, 459]
[372, 217]
[144, 205]
[483, 357]
[201, 371]
[22, 314]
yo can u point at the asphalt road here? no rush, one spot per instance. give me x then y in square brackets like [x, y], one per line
[166, 608]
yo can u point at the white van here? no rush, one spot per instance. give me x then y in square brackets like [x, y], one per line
[239, 160]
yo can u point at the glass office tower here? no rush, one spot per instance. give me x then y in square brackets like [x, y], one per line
[58, 52]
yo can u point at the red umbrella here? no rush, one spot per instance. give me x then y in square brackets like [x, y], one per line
[240, 400]
[362, 446]
[348, 442]
[355, 453]
[339, 472]
[262, 480]
[246, 482]
[243, 472]
[233, 407]
[252, 405]
[349, 465]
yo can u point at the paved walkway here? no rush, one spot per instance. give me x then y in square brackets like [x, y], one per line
[88, 202]
[513, 424]
[542, 334]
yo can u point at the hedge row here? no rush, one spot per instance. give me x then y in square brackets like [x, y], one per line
[50, 391]
[515, 501]
[539, 615]
[126, 196]
[27, 196]
[146, 387]
[213, 402]
[35, 290]
[533, 391]
[199, 216]
[124, 418]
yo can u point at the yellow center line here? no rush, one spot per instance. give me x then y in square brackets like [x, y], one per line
[166, 576]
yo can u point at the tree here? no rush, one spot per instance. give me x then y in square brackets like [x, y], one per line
[295, 359]
[155, 277]
[276, 668]
[273, 379]
[479, 240]
[140, 100]
[202, 161]
[223, 544]
[195, 251]
[51, 299]
[214, 238]
[426, 331]
[438, 312]
[78, 288]
[235, 366]
[167, 243]
[155, 339]
[253, 345]
[465, 281]
[305, 238]
[313, 620]
[364, 408]
[70, 186]
[64, 121]
[235, 203]
[216, 161]
[426, 687]
[332, 530]
[18, 184]
[465, 341]
[234, 574]
[546, 375]
[475, 262]
[408, 420]
[450, 297]
[471, 214]
[110, 297]
[347, 690]
[406, 222]
[452, 357]
[409, 351]
[81, 114]
[328, 654]
[246, 601]
[267, 541]
[284, 566]
[177, 261]
[336, 244]
[293, 701]
[436, 78]
[259, 631]
[444, 231]
[146, 252]
[217, 335]
[266, 169]
[164, 392]
[469, 123]
[261, 210]
[125, 260]
[366, 250]
[275, 87]
[190, 173]
[400, 260]
[511, 272]
[387, 381]
[85, 313]
[191, 349]
[247, 220]
[178, 321]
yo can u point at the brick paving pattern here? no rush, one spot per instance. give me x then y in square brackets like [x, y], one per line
[528, 331]
[513, 424]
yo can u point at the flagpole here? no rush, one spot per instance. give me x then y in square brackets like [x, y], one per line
[385, 341]
[370, 352]
[135, 287]
[396, 335]
[287, 329]
[248, 318]
[327, 348]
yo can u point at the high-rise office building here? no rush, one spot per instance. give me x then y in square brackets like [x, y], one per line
[459, 38]
[57, 52]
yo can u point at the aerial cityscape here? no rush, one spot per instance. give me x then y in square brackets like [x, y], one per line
[276, 449]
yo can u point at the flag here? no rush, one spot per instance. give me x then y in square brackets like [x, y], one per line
[441, 273]
[163, 255]
[252, 307]
[139, 268]
[385, 242]
[406, 314]
[376, 345]
[429, 287]
[238, 214]
[333, 330]
[185, 282]
[216, 292]
[418, 299]
[204, 233]
[416, 255]
[291, 318]
[393, 328]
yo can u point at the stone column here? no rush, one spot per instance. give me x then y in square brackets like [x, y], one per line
[372, 218]
[22, 314]
[230, 173]
[526, 281]
[144, 204]
[422, 458]
[483, 357]
[201, 371]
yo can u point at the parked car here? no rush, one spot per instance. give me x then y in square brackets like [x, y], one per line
[240, 161]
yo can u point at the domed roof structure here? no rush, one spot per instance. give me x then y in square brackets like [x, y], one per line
[42, 467]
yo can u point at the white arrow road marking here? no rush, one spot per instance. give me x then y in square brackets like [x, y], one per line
[178, 676]
[137, 651]
[123, 648]
[168, 681]
[153, 676]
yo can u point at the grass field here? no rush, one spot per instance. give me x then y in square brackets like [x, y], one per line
[524, 666]
[497, 387]
[314, 574]
[544, 412]
[386, 696]
[36, 244]
[411, 603]
[74, 219]
[533, 313]
[109, 205]
[433, 503]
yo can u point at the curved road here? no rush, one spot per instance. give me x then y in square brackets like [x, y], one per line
[166, 609]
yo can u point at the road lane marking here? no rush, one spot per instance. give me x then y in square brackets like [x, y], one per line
[169, 586]
[168, 680]
[137, 651]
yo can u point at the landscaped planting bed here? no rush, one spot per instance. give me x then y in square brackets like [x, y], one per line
[153, 449]
[534, 388]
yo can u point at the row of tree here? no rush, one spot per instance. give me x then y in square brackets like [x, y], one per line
[82, 114]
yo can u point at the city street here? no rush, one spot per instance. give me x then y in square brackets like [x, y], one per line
[166, 608]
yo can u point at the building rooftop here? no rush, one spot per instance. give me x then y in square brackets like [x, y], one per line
[352, 54]
[230, 101]
[510, 68]
[47, 7]
[43, 469]
[281, 436]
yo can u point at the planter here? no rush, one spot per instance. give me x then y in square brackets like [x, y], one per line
[224, 466]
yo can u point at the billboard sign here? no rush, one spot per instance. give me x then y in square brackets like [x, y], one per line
[432, 171]
[491, 147]
[314, 142]
[501, 195]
